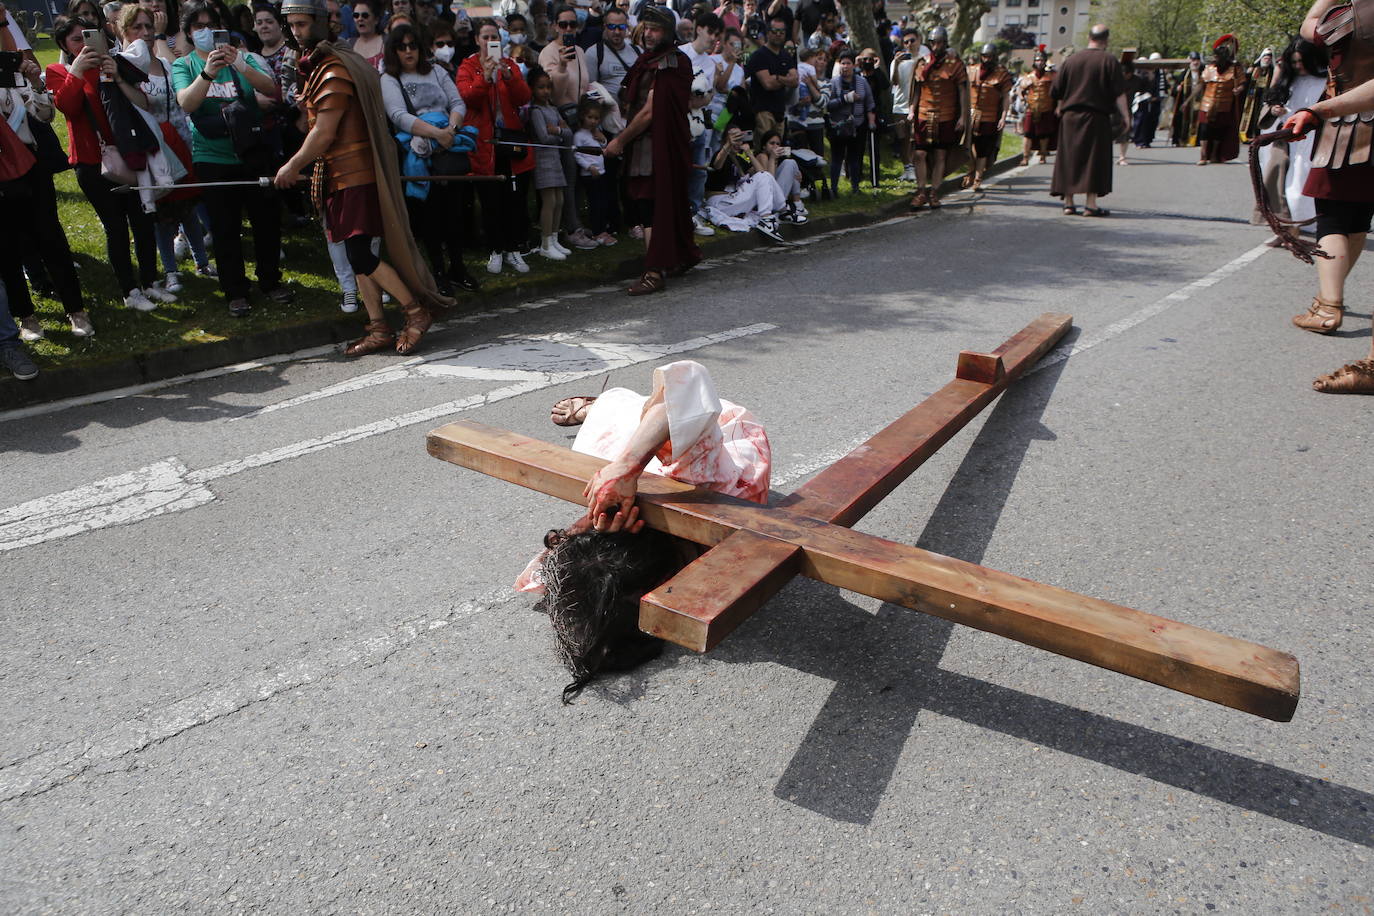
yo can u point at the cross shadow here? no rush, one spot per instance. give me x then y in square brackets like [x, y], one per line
[886, 670]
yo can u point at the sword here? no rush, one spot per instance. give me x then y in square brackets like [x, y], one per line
[267, 183]
[590, 150]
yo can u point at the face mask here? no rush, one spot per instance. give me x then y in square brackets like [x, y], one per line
[518, 38]
[204, 40]
[505, 37]
[581, 16]
[444, 54]
[136, 52]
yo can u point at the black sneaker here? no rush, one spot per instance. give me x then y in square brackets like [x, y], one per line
[465, 281]
[16, 360]
[239, 308]
[281, 295]
[769, 227]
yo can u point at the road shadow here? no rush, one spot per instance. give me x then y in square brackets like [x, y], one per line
[886, 669]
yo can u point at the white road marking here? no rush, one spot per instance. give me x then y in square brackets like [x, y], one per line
[51, 768]
[168, 487]
[1117, 328]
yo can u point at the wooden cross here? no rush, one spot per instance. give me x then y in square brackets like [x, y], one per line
[755, 550]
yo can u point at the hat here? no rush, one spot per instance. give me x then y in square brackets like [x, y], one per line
[989, 48]
[314, 8]
[1227, 39]
[657, 15]
[939, 33]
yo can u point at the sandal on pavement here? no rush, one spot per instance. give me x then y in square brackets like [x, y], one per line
[1352, 378]
[571, 411]
[1096, 211]
[1070, 211]
[651, 282]
[1321, 317]
[418, 320]
[919, 200]
[967, 182]
[377, 338]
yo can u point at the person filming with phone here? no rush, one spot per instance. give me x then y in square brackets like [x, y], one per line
[215, 85]
[566, 64]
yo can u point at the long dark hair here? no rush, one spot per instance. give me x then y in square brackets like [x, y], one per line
[593, 583]
[62, 27]
[391, 56]
[1314, 61]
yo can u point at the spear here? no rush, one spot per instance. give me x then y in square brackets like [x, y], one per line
[267, 183]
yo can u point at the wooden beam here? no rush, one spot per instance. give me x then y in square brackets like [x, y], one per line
[1222, 669]
[704, 602]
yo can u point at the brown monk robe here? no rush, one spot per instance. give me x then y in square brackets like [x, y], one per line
[1087, 87]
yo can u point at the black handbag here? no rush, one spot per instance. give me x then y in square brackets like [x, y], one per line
[47, 149]
[241, 124]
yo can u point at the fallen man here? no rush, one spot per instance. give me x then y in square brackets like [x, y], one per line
[593, 572]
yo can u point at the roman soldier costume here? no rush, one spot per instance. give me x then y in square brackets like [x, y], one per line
[1341, 182]
[1039, 124]
[987, 95]
[356, 183]
[1260, 79]
[1223, 87]
[938, 79]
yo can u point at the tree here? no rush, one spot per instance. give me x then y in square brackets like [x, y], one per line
[967, 15]
[1016, 37]
[1171, 27]
[1257, 24]
[863, 29]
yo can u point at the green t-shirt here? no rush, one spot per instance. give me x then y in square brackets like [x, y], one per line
[220, 93]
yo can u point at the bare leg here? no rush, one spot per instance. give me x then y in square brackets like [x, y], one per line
[920, 157]
[1090, 201]
[386, 277]
[1121, 160]
[1331, 272]
[1068, 201]
[937, 175]
[371, 295]
[1044, 149]
[1026, 146]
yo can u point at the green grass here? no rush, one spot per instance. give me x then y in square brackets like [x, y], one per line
[200, 315]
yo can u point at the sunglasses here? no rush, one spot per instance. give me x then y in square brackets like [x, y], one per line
[567, 23]
[362, 15]
[407, 46]
[611, 27]
[771, 29]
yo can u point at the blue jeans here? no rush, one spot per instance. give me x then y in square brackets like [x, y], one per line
[195, 236]
[9, 331]
[696, 183]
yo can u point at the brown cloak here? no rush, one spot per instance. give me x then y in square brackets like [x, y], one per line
[401, 252]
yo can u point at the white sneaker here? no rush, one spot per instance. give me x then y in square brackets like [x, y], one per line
[30, 329]
[81, 324]
[181, 248]
[550, 251]
[909, 173]
[556, 245]
[158, 294]
[136, 300]
[768, 225]
[494, 263]
[514, 259]
[701, 227]
[806, 193]
[349, 303]
[173, 283]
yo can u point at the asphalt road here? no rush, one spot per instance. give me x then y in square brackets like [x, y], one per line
[267, 659]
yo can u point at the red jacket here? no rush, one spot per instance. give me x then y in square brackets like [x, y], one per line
[78, 98]
[478, 96]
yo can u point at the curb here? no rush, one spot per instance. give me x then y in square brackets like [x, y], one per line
[160, 365]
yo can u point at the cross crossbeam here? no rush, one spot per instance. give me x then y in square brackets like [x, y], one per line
[755, 550]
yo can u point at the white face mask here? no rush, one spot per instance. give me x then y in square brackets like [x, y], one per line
[517, 38]
[444, 54]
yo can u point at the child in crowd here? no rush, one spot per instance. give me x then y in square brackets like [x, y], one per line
[591, 166]
[548, 128]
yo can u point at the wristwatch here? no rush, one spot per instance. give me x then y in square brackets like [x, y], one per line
[160, 36]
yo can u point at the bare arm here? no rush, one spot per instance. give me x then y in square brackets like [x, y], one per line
[613, 488]
[316, 142]
[1314, 18]
[638, 124]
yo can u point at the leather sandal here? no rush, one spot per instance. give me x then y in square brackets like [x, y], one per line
[377, 338]
[651, 282]
[967, 182]
[418, 320]
[920, 200]
[1352, 378]
[1321, 317]
[571, 411]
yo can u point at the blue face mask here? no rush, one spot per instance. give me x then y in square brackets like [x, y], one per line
[204, 40]
[581, 16]
[505, 37]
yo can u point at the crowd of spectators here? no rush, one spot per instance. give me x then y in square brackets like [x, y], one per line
[154, 94]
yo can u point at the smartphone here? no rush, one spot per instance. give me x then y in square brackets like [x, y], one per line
[567, 39]
[10, 62]
[746, 136]
[95, 40]
[494, 50]
[784, 151]
[221, 37]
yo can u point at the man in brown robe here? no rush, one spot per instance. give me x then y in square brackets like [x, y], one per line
[357, 181]
[655, 97]
[1088, 86]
